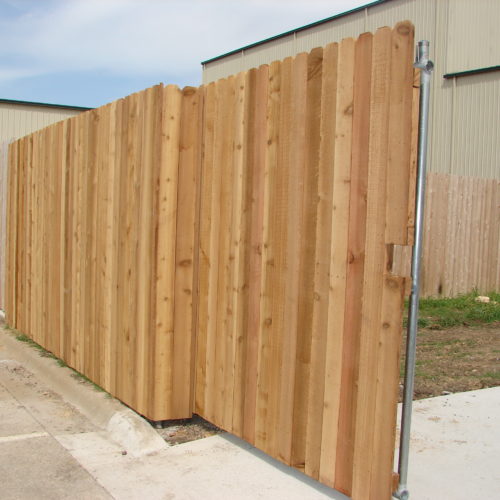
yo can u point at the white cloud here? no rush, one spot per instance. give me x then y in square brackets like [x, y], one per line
[127, 37]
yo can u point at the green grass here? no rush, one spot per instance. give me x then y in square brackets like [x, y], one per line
[441, 313]
[47, 354]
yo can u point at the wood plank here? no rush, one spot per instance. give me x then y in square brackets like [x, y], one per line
[453, 223]
[293, 160]
[203, 345]
[69, 249]
[11, 281]
[113, 243]
[355, 263]
[400, 113]
[387, 386]
[441, 190]
[485, 243]
[124, 251]
[4, 169]
[45, 238]
[82, 244]
[167, 224]
[496, 218]
[303, 366]
[211, 387]
[90, 204]
[338, 256]
[20, 245]
[413, 156]
[242, 284]
[275, 287]
[55, 242]
[256, 158]
[269, 348]
[322, 262]
[34, 232]
[374, 262]
[493, 282]
[184, 290]
[223, 157]
[234, 316]
[102, 281]
[144, 257]
[63, 238]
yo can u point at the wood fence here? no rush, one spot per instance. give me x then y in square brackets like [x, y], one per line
[464, 224]
[4, 148]
[97, 272]
[299, 319]
[461, 237]
[228, 250]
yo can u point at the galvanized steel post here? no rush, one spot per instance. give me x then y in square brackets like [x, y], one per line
[426, 67]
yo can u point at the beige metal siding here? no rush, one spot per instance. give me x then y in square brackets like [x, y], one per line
[420, 12]
[17, 120]
[472, 104]
[476, 126]
[276, 50]
[319, 36]
[466, 52]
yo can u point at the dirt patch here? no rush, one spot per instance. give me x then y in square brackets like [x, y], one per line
[458, 359]
[185, 430]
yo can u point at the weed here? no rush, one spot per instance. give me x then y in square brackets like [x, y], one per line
[46, 354]
[441, 313]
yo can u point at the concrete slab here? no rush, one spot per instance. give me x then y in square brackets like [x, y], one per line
[214, 468]
[455, 447]
[40, 468]
[98, 408]
[42, 404]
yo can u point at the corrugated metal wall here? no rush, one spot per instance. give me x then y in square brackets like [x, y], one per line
[17, 120]
[464, 133]
[481, 50]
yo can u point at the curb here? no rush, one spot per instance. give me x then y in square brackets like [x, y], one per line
[126, 427]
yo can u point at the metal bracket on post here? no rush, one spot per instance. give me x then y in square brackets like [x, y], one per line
[426, 66]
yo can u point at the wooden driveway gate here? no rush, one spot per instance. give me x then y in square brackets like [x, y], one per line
[227, 250]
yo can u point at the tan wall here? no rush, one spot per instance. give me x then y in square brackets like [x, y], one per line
[464, 113]
[480, 19]
[17, 120]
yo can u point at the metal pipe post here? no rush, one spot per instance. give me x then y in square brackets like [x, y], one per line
[426, 67]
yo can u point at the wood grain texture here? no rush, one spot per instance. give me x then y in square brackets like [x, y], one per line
[374, 262]
[355, 262]
[97, 201]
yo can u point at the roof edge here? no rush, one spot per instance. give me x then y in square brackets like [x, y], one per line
[44, 104]
[476, 71]
[296, 30]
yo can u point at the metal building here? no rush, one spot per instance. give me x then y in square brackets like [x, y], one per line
[465, 45]
[19, 118]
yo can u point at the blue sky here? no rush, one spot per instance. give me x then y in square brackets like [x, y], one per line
[90, 52]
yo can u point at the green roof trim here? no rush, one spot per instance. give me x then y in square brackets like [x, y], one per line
[296, 30]
[43, 104]
[477, 71]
